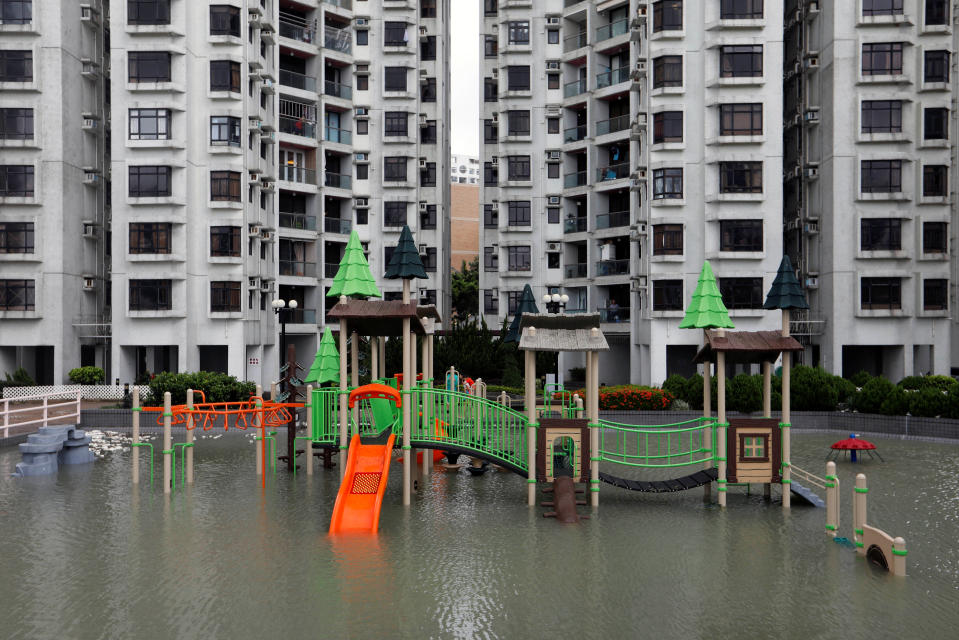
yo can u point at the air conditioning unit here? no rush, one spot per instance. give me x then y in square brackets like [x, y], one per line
[267, 187]
[811, 227]
[254, 230]
[552, 21]
[89, 14]
[812, 115]
[255, 124]
[362, 22]
[91, 177]
[553, 200]
[812, 282]
[362, 157]
[552, 155]
[495, 73]
[812, 8]
[362, 69]
[253, 283]
[362, 112]
[811, 61]
[265, 286]
[812, 171]
[552, 111]
[495, 117]
[89, 229]
[552, 246]
[494, 161]
[422, 207]
[89, 283]
[89, 124]
[423, 117]
[423, 73]
[552, 65]
[422, 163]
[268, 87]
[254, 11]
[89, 68]
[268, 236]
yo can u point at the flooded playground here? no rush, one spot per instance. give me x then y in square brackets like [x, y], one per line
[85, 555]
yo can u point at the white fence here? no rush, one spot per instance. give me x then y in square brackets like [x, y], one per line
[68, 410]
[86, 391]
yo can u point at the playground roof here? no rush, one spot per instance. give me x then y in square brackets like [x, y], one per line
[378, 317]
[746, 346]
[562, 332]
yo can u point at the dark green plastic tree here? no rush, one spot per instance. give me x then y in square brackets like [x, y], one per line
[706, 310]
[406, 262]
[354, 277]
[527, 304]
[786, 293]
[326, 365]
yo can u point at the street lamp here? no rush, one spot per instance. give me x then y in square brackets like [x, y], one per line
[555, 302]
[278, 305]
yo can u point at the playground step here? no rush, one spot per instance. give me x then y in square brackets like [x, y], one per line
[806, 494]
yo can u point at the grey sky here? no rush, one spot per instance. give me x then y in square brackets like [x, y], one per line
[464, 66]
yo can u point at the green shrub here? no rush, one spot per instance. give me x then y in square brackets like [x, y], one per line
[20, 378]
[629, 397]
[845, 389]
[952, 402]
[744, 393]
[578, 374]
[943, 383]
[929, 402]
[693, 392]
[511, 374]
[911, 382]
[897, 402]
[861, 378]
[679, 405]
[871, 396]
[676, 385]
[218, 387]
[87, 375]
[811, 389]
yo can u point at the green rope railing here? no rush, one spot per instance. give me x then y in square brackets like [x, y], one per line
[657, 446]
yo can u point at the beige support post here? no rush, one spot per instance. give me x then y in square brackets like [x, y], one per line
[767, 390]
[309, 429]
[136, 435]
[344, 400]
[708, 433]
[898, 557]
[355, 372]
[382, 347]
[578, 403]
[721, 427]
[374, 358]
[592, 396]
[531, 417]
[190, 423]
[258, 421]
[859, 493]
[167, 442]
[832, 500]
[785, 430]
[407, 375]
[424, 367]
[429, 375]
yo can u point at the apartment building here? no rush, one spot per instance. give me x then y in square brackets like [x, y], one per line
[868, 196]
[624, 143]
[465, 170]
[464, 210]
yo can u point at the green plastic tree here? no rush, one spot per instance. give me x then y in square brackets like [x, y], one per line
[354, 277]
[786, 293]
[405, 262]
[326, 365]
[527, 304]
[706, 309]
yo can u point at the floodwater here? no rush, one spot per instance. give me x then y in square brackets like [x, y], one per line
[83, 555]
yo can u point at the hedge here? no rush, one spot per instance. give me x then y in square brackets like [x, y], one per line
[218, 387]
[629, 397]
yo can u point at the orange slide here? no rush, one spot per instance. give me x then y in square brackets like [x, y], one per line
[360, 497]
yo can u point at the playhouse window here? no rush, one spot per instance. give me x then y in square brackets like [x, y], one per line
[754, 447]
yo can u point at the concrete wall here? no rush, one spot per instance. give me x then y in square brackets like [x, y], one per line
[465, 218]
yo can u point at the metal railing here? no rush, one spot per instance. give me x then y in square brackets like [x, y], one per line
[290, 28]
[575, 225]
[342, 136]
[612, 30]
[337, 89]
[618, 123]
[618, 314]
[612, 219]
[337, 39]
[611, 77]
[298, 127]
[574, 134]
[300, 316]
[574, 88]
[337, 180]
[657, 447]
[294, 173]
[575, 179]
[576, 270]
[345, 4]
[337, 225]
[297, 268]
[297, 221]
[297, 80]
[612, 267]
[8, 415]
[612, 172]
[330, 269]
[575, 41]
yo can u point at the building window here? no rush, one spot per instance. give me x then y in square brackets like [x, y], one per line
[362, 215]
[395, 34]
[518, 123]
[490, 7]
[362, 38]
[16, 237]
[490, 302]
[490, 174]
[225, 242]
[489, 46]
[428, 132]
[741, 9]
[934, 238]
[362, 127]
[224, 296]
[518, 168]
[667, 127]
[490, 132]
[520, 213]
[224, 75]
[428, 175]
[362, 172]
[428, 48]
[552, 170]
[394, 78]
[16, 123]
[428, 217]
[16, 180]
[512, 301]
[552, 215]
[150, 181]
[741, 235]
[151, 295]
[935, 123]
[741, 177]
[16, 66]
[150, 237]
[742, 293]
[490, 259]
[881, 7]
[518, 32]
[668, 240]
[552, 261]
[741, 119]
[741, 61]
[667, 295]
[395, 123]
[882, 59]
[668, 15]
[936, 66]
[881, 293]
[490, 216]
[668, 183]
[937, 12]
[427, 8]
[519, 258]
[225, 130]
[881, 176]
[17, 295]
[150, 124]
[394, 214]
[935, 181]
[490, 90]
[148, 11]
[517, 78]
[552, 36]
[935, 294]
[881, 116]
[148, 66]
[552, 125]
[429, 260]
[428, 90]
[16, 11]
[225, 186]
[753, 448]
[224, 20]
[667, 72]
[394, 169]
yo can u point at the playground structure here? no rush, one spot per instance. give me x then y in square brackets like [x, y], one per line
[852, 446]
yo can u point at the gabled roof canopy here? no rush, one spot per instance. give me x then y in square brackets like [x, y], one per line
[378, 317]
[746, 346]
[562, 332]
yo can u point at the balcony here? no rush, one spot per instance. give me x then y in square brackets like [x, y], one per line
[619, 123]
[574, 134]
[297, 80]
[344, 4]
[612, 267]
[294, 173]
[337, 225]
[337, 39]
[609, 78]
[330, 269]
[338, 90]
[575, 179]
[617, 314]
[297, 221]
[297, 30]
[612, 172]
[337, 180]
[575, 225]
[300, 316]
[342, 136]
[574, 88]
[612, 219]
[298, 127]
[297, 268]
[575, 41]
[612, 30]
[576, 270]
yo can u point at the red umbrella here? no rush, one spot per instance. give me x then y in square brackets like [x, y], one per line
[853, 445]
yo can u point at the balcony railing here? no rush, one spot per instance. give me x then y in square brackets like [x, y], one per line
[612, 172]
[574, 88]
[614, 76]
[293, 173]
[330, 269]
[298, 268]
[619, 123]
[297, 221]
[337, 39]
[337, 225]
[300, 316]
[298, 127]
[575, 41]
[612, 30]
[612, 219]
[294, 30]
[346, 4]
[576, 270]
[616, 314]
[337, 180]
[612, 267]
[297, 80]
[575, 179]
[342, 136]
[338, 89]
[574, 134]
[574, 225]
